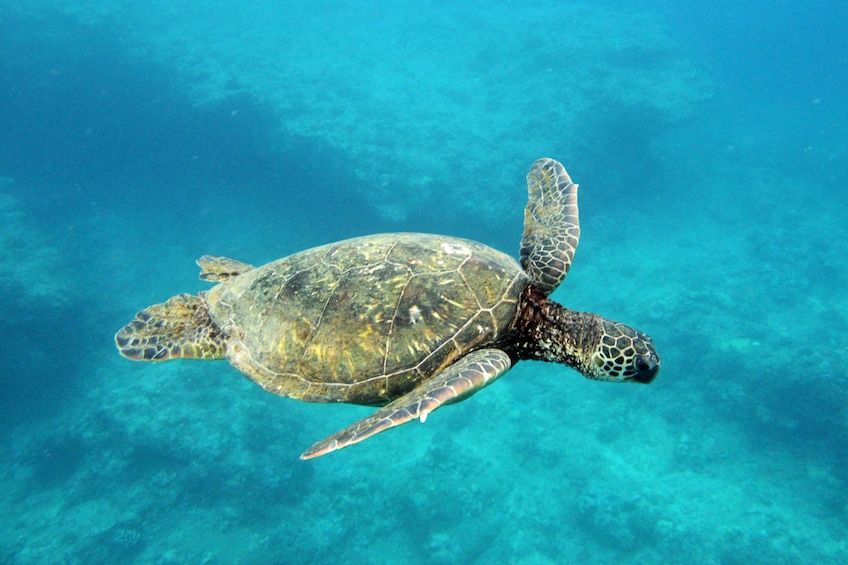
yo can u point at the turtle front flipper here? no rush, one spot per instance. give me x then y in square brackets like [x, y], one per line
[551, 225]
[455, 383]
[179, 328]
[219, 269]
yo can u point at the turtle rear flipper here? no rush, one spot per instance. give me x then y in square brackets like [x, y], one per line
[551, 225]
[455, 383]
[179, 328]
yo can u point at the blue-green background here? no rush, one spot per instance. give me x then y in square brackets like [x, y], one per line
[709, 140]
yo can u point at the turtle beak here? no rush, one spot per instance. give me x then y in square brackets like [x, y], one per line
[647, 367]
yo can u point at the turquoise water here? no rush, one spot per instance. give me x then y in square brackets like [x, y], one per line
[709, 141]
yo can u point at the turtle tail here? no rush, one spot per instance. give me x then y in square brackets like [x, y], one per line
[178, 329]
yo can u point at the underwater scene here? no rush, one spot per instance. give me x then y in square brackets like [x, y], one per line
[710, 143]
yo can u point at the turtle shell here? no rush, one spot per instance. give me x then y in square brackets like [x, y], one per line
[367, 319]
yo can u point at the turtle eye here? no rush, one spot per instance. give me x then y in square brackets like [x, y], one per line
[646, 368]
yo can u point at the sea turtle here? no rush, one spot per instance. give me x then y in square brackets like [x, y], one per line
[406, 321]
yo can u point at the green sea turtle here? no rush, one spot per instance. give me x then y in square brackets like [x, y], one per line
[405, 321]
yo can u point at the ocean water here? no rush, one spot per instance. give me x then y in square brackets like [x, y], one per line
[710, 141]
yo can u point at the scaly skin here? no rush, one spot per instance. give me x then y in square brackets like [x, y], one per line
[551, 225]
[598, 348]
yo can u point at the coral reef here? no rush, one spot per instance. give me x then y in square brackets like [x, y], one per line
[443, 117]
[34, 270]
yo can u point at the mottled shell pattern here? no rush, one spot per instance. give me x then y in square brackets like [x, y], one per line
[367, 319]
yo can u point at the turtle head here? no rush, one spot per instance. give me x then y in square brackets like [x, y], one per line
[598, 348]
[623, 354]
